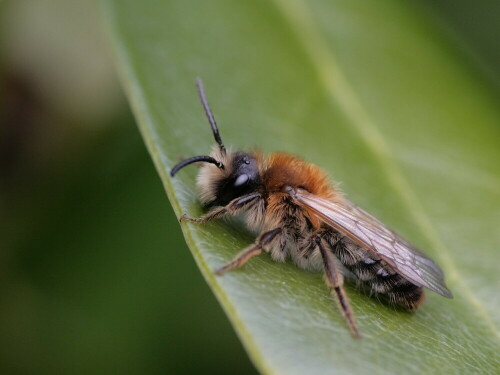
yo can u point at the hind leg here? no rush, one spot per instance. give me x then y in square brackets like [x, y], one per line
[335, 281]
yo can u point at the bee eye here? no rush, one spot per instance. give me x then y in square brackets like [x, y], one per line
[241, 180]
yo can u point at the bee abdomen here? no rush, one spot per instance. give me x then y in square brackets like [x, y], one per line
[374, 274]
[386, 283]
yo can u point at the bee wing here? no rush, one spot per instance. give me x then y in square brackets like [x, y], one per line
[369, 233]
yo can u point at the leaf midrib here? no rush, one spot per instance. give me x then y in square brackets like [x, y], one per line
[341, 94]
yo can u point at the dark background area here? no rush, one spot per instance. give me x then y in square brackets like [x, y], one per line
[95, 274]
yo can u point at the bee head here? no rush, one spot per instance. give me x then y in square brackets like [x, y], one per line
[225, 175]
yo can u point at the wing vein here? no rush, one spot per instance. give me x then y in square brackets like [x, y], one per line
[371, 234]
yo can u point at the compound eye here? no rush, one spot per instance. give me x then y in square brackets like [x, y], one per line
[241, 180]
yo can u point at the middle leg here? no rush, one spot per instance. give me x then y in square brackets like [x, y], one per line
[263, 240]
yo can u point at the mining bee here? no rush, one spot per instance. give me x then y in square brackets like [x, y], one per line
[301, 215]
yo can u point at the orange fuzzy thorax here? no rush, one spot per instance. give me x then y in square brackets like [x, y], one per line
[283, 169]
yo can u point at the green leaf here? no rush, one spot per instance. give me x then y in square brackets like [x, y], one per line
[371, 92]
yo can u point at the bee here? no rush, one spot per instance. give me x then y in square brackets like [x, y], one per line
[300, 214]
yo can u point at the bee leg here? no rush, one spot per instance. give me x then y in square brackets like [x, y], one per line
[335, 281]
[232, 208]
[256, 249]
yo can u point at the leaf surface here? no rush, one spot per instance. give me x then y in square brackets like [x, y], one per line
[371, 92]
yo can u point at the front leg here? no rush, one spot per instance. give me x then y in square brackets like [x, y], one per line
[232, 208]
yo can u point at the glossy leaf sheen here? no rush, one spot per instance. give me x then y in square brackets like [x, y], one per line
[372, 93]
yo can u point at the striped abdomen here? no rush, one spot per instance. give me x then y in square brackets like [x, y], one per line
[378, 276]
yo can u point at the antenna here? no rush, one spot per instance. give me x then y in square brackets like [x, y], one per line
[210, 116]
[195, 159]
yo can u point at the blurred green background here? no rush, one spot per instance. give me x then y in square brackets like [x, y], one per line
[95, 275]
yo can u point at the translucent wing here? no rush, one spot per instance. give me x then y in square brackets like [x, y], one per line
[369, 233]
